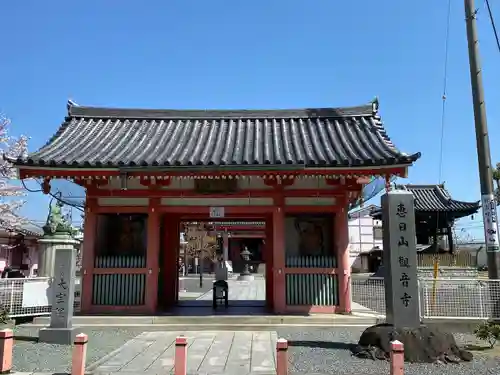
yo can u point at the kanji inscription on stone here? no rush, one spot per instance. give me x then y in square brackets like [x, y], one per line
[63, 289]
[400, 259]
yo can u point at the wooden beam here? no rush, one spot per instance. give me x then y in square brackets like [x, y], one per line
[29, 172]
[182, 193]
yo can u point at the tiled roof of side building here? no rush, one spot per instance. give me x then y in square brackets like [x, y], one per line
[435, 198]
[93, 137]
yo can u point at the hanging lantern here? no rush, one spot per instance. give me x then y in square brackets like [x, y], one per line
[46, 186]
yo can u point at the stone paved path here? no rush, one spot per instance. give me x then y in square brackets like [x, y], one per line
[242, 290]
[209, 353]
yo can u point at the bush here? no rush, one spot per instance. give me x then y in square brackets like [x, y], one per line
[489, 332]
[4, 315]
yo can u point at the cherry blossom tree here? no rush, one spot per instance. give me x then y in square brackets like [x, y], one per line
[199, 243]
[10, 194]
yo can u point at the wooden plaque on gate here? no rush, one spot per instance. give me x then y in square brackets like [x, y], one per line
[218, 186]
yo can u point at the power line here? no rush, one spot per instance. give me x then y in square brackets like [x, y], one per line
[443, 106]
[492, 21]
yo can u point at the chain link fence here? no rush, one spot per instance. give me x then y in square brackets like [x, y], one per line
[25, 297]
[457, 298]
[30, 296]
[453, 298]
[368, 294]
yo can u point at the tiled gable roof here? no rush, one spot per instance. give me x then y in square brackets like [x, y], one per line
[436, 198]
[322, 137]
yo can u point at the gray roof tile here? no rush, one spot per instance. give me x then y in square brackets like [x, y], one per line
[327, 137]
[435, 198]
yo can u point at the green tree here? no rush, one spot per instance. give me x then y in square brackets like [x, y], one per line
[496, 178]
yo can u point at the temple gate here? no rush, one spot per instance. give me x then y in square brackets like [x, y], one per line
[146, 171]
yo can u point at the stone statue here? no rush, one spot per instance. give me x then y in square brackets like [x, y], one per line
[56, 221]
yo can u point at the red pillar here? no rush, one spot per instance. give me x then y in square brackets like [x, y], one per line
[268, 258]
[279, 259]
[88, 254]
[170, 259]
[343, 267]
[152, 257]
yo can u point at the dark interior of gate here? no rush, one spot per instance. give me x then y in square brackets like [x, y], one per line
[211, 250]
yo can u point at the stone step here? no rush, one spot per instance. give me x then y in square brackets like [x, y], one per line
[197, 322]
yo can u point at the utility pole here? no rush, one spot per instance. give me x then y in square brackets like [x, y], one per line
[488, 200]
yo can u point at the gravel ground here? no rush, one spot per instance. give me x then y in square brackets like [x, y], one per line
[327, 351]
[312, 351]
[41, 357]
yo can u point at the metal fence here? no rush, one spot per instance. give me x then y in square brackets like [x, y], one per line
[445, 298]
[458, 298]
[453, 298]
[25, 297]
[30, 296]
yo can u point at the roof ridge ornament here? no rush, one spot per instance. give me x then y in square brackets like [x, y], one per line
[375, 105]
[443, 193]
[70, 104]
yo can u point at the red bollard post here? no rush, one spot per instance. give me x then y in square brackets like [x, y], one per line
[282, 357]
[397, 358]
[79, 355]
[6, 345]
[180, 359]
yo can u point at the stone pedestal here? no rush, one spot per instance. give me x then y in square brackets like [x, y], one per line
[246, 277]
[61, 330]
[47, 252]
[46, 256]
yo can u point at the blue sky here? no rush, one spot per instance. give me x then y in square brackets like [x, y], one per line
[256, 54]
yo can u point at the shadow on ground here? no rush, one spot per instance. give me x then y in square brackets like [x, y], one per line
[322, 344]
[25, 338]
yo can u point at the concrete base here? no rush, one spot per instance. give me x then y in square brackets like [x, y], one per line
[61, 336]
[242, 319]
[243, 277]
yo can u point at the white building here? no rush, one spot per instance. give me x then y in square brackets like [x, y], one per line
[365, 235]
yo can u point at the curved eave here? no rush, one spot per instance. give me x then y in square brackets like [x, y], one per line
[455, 207]
[98, 138]
[468, 208]
[402, 161]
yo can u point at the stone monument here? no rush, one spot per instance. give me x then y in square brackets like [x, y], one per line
[58, 241]
[400, 259]
[421, 343]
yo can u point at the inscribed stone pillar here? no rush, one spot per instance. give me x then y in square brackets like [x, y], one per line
[62, 291]
[400, 259]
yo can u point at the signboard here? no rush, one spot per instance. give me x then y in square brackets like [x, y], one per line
[489, 205]
[216, 212]
[35, 293]
[400, 259]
